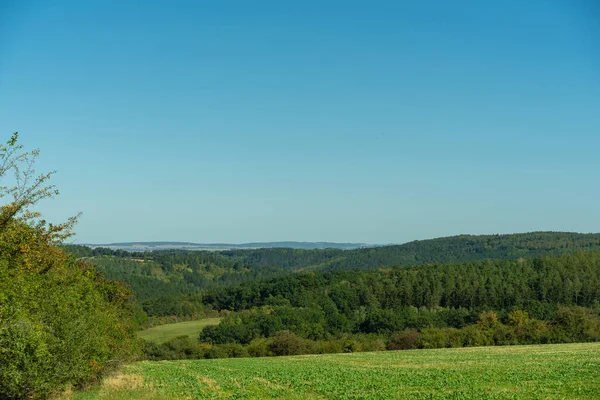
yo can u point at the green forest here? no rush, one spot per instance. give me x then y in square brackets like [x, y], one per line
[552, 299]
[170, 282]
[461, 248]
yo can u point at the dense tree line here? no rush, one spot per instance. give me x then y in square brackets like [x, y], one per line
[289, 259]
[323, 305]
[570, 324]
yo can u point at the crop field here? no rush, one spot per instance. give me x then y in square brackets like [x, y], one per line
[568, 371]
[162, 333]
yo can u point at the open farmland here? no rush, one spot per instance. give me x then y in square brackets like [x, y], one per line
[567, 371]
[162, 333]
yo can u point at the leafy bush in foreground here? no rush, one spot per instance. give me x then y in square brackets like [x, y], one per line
[61, 323]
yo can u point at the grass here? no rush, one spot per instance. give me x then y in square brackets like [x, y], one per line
[162, 333]
[568, 371]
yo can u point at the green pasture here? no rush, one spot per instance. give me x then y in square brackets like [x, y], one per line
[566, 371]
[162, 333]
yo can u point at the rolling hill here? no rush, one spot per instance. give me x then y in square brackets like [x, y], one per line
[462, 248]
[160, 277]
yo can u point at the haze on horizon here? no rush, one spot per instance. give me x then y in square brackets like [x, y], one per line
[235, 122]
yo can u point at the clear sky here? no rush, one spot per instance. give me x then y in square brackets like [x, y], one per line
[371, 121]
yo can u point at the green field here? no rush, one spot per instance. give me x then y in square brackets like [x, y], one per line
[162, 333]
[567, 371]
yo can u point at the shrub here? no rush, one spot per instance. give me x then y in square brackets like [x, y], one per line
[287, 343]
[575, 324]
[328, 347]
[216, 352]
[404, 340]
[434, 338]
[234, 350]
[258, 348]
[504, 335]
[61, 322]
[371, 342]
[474, 335]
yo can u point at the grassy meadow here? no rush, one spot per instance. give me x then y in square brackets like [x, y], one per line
[565, 371]
[162, 333]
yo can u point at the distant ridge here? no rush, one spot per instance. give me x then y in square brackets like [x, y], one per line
[148, 246]
[452, 249]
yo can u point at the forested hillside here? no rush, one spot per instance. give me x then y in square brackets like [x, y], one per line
[529, 288]
[386, 300]
[442, 250]
[169, 282]
[551, 299]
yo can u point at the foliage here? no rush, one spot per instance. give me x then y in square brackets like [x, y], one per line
[405, 340]
[571, 324]
[61, 322]
[170, 282]
[383, 301]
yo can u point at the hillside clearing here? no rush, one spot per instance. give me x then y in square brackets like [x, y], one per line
[163, 333]
[518, 372]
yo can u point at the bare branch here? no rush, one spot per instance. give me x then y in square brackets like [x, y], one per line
[27, 191]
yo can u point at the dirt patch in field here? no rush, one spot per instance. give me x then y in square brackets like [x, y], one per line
[211, 383]
[123, 382]
[268, 383]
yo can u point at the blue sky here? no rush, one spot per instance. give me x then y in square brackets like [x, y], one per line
[376, 122]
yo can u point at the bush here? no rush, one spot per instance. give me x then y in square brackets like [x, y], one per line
[404, 340]
[370, 342]
[534, 332]
[505, 335]
[234, 350]
[474, 335]
[435, 338]
[575, 324]
[287, 343]
[61, 322]
[258, 348]
[216, 352]
[328, 347]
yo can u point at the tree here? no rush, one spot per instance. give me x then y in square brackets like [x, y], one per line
[27, 190]
[61, 322]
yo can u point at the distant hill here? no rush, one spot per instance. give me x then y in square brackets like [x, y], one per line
[467, 248]
[336, 256]
[151, 246]
[462, 248]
